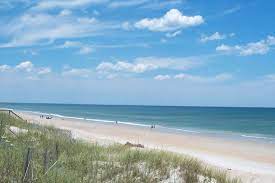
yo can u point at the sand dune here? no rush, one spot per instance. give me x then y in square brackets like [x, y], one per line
[251, 161]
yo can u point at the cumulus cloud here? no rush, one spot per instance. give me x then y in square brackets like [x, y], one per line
[226, 48]
[174, 63]
[254, 48]
[260, 48]
[74, 72]
[27, 70]
[171, 21]
[213, 37]
[4, 68]
[43, 71]
[162, 77]
[25, 66]
[125, 67]
[196, 78]
[83, 48]
[144, 64]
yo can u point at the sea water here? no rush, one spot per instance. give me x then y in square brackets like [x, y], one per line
[247, 123]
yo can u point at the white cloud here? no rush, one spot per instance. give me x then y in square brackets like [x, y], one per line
[65, 12]
[68, 4]
[226, 48]
[215, 36]
[173, 34]
[43, 71]
[254, 48]
[126, 26]
[87, 20]
[70, 44]
[162, 77]
[5, 68]
[144, 64]
[30, 52]
[162, 4]
[87, 48]
[8, 4]
[128, 3]
[171, 21]
[73, 72]
[27, 70]
[195, 78]
[270, 40]
[174, 63]
[232, 10]
[260, 48]
[33, 29]
[26, 66]
[83, 48]
[106, 67]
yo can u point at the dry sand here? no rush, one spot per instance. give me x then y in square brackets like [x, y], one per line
[251, 161]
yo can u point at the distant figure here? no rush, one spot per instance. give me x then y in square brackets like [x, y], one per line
[116, 122]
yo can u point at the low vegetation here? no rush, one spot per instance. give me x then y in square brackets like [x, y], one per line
[34, 153]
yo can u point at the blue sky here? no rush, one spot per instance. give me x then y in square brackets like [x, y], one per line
[150, 52]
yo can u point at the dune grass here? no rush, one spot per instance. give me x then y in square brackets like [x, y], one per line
[46, 154]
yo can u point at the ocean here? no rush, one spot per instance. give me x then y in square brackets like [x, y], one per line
[237, 122]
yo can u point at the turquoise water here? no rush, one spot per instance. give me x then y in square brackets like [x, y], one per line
[257, 123]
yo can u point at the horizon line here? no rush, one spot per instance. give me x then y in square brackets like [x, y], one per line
[145, 105]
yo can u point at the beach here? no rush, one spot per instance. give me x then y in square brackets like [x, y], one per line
[251, 161]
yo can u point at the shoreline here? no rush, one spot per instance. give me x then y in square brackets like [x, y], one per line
[235, 136]
[252, 161]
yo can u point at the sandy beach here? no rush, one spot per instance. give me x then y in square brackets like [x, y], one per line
[251, 161]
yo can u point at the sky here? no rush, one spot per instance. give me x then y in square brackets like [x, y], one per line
[138, 52]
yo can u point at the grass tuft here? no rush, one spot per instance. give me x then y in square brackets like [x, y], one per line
[47, 154]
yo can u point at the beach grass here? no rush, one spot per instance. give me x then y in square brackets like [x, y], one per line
[34, 153]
